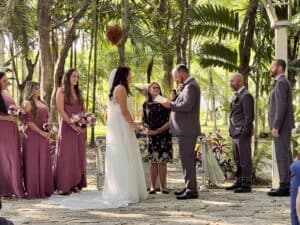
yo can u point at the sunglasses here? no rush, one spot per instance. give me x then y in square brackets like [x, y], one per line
[156, 87]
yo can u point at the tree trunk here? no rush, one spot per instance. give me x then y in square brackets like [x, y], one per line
[168, 66]
[1, 51]
[92, 141]
[246, 38]
[70, 36]
[183, 33]
[257, 89]
[125, 30]
[54, 45]
[207, 112]
[149, 70]
[43, 23]
[213, 100]
[89, 72]
[71, 55]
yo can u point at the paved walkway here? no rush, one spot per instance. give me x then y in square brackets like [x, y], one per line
[217, 207]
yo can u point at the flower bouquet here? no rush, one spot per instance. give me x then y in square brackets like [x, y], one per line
[14, 110]
[50, 127]
[83, 120]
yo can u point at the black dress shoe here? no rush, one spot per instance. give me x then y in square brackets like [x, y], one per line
[180, 192]
[233, 187]
[152, 192]
[187, 195]
[243, 189]
[280, 192]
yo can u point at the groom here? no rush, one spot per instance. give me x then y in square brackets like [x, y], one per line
[184, 123]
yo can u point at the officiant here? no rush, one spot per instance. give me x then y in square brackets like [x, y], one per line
[156, 123]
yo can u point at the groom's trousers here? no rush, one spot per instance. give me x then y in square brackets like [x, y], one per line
[188, 161]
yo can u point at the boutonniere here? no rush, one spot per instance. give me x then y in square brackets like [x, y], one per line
[234, 98]
[180, 88]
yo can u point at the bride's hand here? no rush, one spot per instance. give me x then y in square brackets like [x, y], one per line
[136, 127]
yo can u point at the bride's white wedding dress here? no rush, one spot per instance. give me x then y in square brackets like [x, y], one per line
[124, 180]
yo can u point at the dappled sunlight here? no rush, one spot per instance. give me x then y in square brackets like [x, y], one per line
[117, 214]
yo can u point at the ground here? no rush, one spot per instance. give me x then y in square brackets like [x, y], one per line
[217, 206]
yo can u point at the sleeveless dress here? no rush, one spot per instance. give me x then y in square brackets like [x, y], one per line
[124, 181]
[10, 156]
[38, 175]
[70, 157]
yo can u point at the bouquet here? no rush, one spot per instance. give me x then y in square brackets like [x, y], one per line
[49, 127]
[83, 120]
[14, 110]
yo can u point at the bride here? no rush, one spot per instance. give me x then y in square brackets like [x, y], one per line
[124, 180]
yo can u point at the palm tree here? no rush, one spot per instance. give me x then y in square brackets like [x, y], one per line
[220, 24]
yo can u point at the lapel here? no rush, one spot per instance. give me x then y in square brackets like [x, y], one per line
[274, 86]
[182, 88]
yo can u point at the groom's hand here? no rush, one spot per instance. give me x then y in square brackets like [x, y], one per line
[167, 105]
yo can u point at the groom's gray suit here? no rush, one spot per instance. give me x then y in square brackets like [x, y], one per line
[281, 117]
[184, 123]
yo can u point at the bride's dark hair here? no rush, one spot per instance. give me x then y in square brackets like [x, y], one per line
[121, 76]
[3, 108]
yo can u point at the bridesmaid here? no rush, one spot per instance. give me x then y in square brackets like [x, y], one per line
[70, 162]
[10, 169]
[36, 148]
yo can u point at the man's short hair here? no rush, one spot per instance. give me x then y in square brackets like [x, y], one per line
[281, 62]
[181, 68]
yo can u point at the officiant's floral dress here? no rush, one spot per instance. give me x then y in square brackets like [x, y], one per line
[160, 145]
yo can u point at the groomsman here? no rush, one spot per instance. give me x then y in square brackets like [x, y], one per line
[281, 122]
[241, 130]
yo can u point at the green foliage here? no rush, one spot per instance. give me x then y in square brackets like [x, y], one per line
[210, 19]
[217, 54]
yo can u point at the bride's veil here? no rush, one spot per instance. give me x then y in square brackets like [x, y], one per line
[111, 79]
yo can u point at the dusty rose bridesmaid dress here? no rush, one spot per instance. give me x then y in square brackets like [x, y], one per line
[38, 175]
[10, 156]
[70, 159]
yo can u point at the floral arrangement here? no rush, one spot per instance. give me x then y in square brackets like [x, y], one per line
[14, 110]
[50, 127]
[83, 120]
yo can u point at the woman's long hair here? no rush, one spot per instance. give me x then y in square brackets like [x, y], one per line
[149, 98]
[3, 108]
[67, 88]
[30, 88]
[121, 76]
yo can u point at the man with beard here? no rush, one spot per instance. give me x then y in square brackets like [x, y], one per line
[185, 124]
[281, 122]
[241, 130]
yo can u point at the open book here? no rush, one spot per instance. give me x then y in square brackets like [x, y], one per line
[160, 99]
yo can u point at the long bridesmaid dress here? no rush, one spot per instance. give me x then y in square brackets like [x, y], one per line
[10, 156]
[38, 177]
[70, 160]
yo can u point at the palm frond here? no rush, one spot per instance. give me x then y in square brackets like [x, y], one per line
[208, 19]
[217, 54]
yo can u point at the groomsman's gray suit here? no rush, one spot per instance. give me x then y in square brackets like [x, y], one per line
[184, 123]
[241, 129]
[281, 117]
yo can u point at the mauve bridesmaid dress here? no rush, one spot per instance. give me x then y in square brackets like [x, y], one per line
[70, 159]
[38, 175]
[10, 156]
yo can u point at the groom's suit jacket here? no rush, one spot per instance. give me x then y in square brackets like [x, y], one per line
[184, 118]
